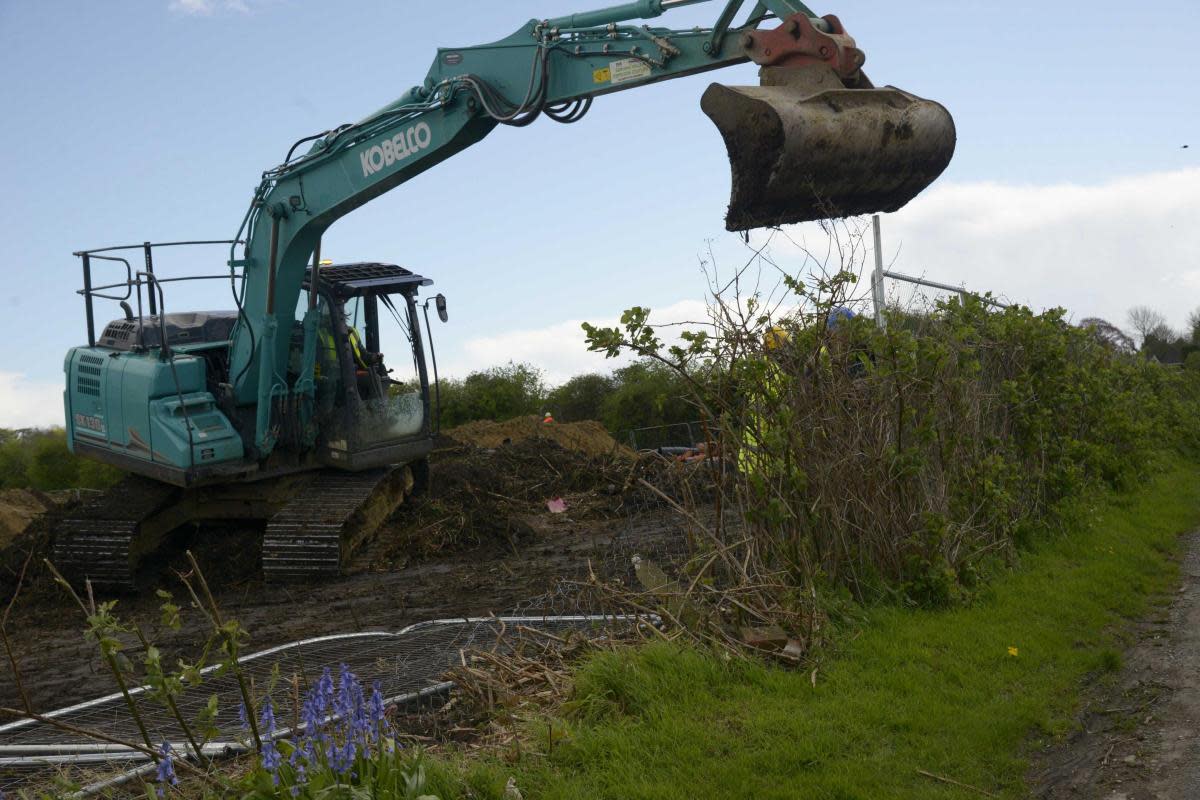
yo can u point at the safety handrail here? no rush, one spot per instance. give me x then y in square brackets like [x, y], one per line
[91, 293]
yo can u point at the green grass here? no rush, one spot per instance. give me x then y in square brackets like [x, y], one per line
[930, 690]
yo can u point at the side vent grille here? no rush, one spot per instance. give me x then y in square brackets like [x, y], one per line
[88, 372]
[119, 334]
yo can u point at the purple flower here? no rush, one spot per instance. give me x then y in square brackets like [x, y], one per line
[166, 769]
[271, 759]
[267, 720]
[350, 694]
[377, 713]
[324, 690]
[243, 719]
[377, 709]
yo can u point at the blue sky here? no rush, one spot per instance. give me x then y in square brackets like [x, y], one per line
[153, 120]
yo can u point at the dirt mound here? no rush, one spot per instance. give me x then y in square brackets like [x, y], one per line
[584, 437]
[18, 509]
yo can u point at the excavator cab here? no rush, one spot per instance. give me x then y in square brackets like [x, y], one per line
[371, 410]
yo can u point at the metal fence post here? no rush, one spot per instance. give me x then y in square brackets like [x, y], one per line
[878, 297]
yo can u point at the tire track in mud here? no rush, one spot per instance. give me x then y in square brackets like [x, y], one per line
[1140, 740]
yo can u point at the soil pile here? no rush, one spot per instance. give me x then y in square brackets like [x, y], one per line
[18, 509]
[585, 437]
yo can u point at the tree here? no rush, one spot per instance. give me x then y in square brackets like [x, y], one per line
[1144, 320]
[581, 398]
[1164, 344]
[499, 393]
[648, 394]
[1193, 327]
[1110, 334]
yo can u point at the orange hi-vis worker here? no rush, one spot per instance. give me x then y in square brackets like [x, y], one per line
[547, 419]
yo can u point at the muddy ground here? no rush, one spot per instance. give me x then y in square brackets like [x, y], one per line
[482, 541]
[1139, 737]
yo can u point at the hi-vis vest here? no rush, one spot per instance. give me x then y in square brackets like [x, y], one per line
[327, 347]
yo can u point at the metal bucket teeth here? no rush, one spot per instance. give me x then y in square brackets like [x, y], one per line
[803, 147]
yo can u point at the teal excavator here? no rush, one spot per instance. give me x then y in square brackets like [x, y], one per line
[284, 410]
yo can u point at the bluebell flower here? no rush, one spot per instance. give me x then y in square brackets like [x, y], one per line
[377, 713]
[271, 759]
[266, 721]
[166, 769]
[243, 719]
[349, 694]
[324, 690]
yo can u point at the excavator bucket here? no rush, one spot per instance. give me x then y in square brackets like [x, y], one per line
[803, 146]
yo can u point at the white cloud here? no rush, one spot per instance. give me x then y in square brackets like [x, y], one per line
[559, 350]
[25, 403]
[206, 8]
[1095, 250]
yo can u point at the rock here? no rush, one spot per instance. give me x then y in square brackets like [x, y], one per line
[770, 637]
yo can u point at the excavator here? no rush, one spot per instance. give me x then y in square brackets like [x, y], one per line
[281, 411]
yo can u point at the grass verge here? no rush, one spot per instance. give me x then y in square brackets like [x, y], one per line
[938, 691]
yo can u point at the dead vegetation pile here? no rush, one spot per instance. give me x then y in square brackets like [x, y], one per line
[26, 520]
[526, 673]
[481, 494]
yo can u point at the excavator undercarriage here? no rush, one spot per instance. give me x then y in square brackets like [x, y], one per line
[313, 522]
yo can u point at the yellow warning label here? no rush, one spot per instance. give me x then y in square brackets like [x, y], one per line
[602, 75]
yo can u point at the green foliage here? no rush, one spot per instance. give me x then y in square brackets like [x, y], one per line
[640, 395]
[39, 459]
[647, 394]
[499, 393]
[582, 397]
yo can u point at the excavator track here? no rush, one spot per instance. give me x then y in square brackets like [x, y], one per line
[315, 533]
[103, 540]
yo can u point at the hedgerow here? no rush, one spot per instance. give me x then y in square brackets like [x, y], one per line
[904, 460]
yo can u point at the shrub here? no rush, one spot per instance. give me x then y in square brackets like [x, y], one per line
[39, 459]
[582, 397]
[499, 393]
[647, 394]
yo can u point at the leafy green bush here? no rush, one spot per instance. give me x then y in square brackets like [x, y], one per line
[640, 395]
[499, 393]
[39, 459]
[582, 397]
[647, 394]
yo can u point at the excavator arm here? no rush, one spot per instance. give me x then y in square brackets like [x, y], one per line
[816, 140]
